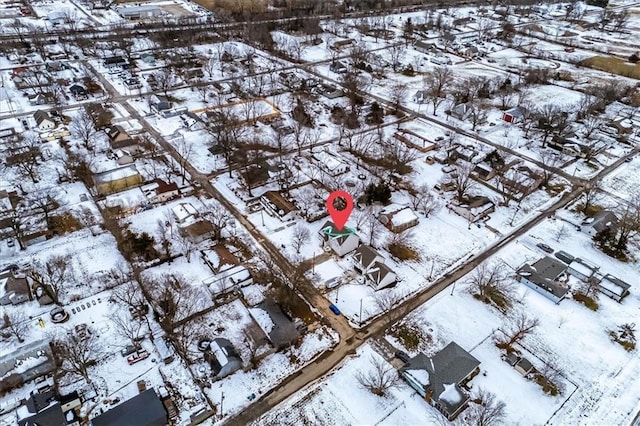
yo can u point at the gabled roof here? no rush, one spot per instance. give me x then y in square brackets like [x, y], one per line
[329, 230]
[379, 272]
[365, 255]
[51, 416]
[544, 273]
[41, 116]
[144, 409]
[448, 367]
[284, 331]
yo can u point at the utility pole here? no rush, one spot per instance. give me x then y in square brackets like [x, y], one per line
[221, 401]
[360, 315]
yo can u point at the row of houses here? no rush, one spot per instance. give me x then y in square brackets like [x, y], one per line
[550, 276]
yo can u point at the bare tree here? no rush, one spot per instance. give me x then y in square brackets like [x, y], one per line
[83, 128]
[396, 156]
[300, 237]
[126, 327]
[485, 410]
[491, 283]
[423, 200]
[174, 299]
[43, 202]
[162, 229]
[463, 181]
[373, 226]
[386, 299]
[397, 95]
[17, 324]
[378, 379]
[434, 83]
[76, 354]
[590, 195]
[128, 294]
[396, 53]
[561, 233]
[53, 276]
[354, 84]
[551, 161]
[519, 326]
[165, 79]
[477, 115]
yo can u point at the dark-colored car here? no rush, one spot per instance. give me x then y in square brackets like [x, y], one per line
[403, 356]
[544, 247]
[129, 350]
[334, 309]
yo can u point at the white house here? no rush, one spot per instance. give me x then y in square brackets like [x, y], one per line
[398, 218]
[370, 264]
[342, 241]
[380, 276]
[365, 257]
[184, 212]
[330, 163]
[44, 120]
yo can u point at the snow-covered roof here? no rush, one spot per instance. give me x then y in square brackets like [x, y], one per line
[403, 217]
[614, 285]
[420, 376]
[451, 394]
[117, 174]
[583, 267]
[183, 211]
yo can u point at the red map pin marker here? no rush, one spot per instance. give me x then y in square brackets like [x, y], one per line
[339, 205]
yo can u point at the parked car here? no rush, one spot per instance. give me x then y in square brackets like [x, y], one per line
[403, 356]
[334, 309]
[137, 356]
[129, 350]
[82, 332]
[544, 247]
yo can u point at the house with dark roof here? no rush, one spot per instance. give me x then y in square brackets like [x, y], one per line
[119, 138]
[547, 276]
[161, 191]
[15, 288]
[473, 208]
[78, 91]
[341, 241]
[144, 409]
[368, 262]
[223, 358]
[365, 257]
[283, 333]
[275, 203]
[50, 416]
[198, 231]
[380, 276]
[39, 356]
[604, 219]
[524, 366]
[114, 61]
[440, 379]
[43, 120]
